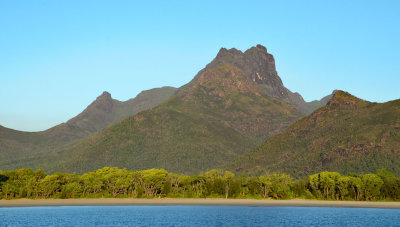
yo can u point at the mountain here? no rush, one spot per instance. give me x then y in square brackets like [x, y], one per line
[316, 104]
[232, 105]
[103, 112]
[259, 66]
[348, 135]
[220, 114]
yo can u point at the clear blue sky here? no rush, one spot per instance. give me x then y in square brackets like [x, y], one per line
[56, 57]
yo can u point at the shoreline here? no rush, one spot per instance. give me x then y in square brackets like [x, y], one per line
[194, 202]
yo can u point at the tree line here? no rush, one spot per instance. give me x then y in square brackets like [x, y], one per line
[156, 183]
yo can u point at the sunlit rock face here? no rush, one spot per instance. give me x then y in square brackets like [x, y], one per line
[259, 66]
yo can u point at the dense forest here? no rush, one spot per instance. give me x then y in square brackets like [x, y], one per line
[156, 183]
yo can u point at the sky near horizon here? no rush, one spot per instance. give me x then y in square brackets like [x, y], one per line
[56, 57]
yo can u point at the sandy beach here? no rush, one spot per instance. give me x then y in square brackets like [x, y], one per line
[167, 201]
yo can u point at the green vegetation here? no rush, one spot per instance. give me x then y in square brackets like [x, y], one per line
[219, 116]
[219, 119]
[229, 107]
[155, 183]
[21, 149]
[349, 135]
[316, 104]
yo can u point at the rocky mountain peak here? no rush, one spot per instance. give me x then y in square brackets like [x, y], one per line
[223, 52]
[258, 49]
[261, 47]
[103, 102]
[98, 110]
[345, 100]
[256, 62]
[233, 80]
[259, 66]
[105, 95]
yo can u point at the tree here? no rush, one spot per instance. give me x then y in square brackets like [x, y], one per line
[153, 180]
[300, 188]
[176, 183]
[228, 176]
[390, 187]
[167, 188]
[92, 184]
[136, 188]
[115, 182]
[254, 186]
[9, 190]
[72, 190]
[328, 183]
[51, 185]
[315, 184]
[356, 186]
[372, 184]
[265, 184]
[343, 185]
[324, 183]
[244, 185]
[280, 185]
[215, 183]
[198, 184]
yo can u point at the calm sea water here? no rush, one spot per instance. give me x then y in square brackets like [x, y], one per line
[196, 216]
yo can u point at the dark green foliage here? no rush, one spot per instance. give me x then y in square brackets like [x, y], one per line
[348, 135]
[391, 184]
[300, 189]
[154, 183]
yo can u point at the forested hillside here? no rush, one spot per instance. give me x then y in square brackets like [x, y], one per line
[221, 115]
[101, 113]
[349, 135]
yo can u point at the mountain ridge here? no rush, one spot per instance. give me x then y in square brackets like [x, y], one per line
[219, 115]
[234, 103]
[97, 116]
[348, 135]
[259, 66]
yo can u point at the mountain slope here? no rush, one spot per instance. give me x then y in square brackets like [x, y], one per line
[233, 104]
[347, 135]
[316, 104]
[222, 114]
[259, 66]
[104, 111]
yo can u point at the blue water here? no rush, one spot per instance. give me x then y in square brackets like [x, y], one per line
[196, 216]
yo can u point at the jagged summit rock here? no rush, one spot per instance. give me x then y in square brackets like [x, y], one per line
[225, 52]
[105, 94]
[104, 102]
[259, 46]
[259, 66]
